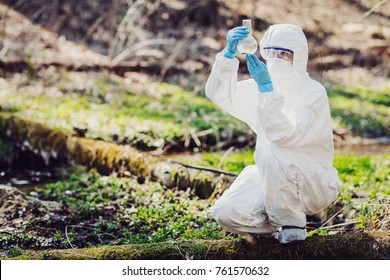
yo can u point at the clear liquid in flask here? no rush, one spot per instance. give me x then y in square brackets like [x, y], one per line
[247, 48]
[248, 45]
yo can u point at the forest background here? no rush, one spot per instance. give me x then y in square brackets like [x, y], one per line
[110, 149]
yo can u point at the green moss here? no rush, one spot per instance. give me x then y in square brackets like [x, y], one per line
[107, 110]
[110, 210]
[14, 252]
[368, 174]
[355, 246]
[106, 210]
[365, 176]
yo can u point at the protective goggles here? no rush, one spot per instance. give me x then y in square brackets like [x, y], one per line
[282, 53]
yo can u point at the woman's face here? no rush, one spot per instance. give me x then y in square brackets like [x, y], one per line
[278, 52]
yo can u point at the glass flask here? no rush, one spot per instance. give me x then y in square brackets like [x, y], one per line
[248, 45]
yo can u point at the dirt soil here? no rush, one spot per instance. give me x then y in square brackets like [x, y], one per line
[177, 40]
[17, 209]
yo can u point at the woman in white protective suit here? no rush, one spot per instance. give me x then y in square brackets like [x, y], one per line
[289, 112]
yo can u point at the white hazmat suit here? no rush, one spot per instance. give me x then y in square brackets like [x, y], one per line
[293, 176]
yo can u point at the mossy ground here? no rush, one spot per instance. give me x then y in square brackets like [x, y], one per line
[362, 111]
[364, 196]
[161, 115]
[356, 246]
[106, 107]
[111, 210]
[108, 210]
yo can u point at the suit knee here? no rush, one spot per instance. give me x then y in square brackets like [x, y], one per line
[222, 214]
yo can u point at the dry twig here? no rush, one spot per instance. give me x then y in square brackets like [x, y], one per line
[370, 11]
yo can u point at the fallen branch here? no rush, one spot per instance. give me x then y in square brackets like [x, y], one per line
[341, 225]
[215, 170]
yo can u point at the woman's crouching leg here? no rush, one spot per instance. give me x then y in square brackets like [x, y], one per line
[241, 208]
[283, 191]
[232, 220]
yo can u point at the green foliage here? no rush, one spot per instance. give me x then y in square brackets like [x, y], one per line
[107, 210]
[111, 210]
[319, 232]
[363, 111]
[365, 188]
[154, 114]
[14, 252]
[235, 161]
[23, 240]
[110, 109]
[366, 174]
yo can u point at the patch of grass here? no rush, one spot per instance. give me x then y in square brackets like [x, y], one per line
[234, 162]
[362, 111]
[365, 187]
[368, 174]
[110, 210]
[365, 190]
[14, 252]
[152, 115]
[108, 109]
[22, 240]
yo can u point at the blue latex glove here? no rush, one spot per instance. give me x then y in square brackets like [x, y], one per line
[259, 73]
[232, 38]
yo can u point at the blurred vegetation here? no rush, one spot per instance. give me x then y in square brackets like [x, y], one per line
[107, 210]
[38, 84]
[155, 115]
[108, 109]
[110, 210]
[365, 112]
[364, 195]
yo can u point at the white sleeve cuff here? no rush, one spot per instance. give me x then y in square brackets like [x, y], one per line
[228, 61]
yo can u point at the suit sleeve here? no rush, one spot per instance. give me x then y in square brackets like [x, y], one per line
[236, 98]
[301, 126]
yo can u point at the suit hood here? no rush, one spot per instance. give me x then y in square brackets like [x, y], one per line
[291, 37]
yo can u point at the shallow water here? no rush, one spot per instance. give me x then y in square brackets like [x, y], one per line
[376, 149]
[28, 179]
